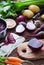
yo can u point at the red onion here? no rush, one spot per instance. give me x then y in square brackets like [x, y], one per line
[21, 18]
[39, 35]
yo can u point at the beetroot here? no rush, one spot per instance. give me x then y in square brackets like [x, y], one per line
[40, 34]
[23, 23]
[11, 38]
[40, 29]
[35, 44]
[21, 18]
[6, 42]
[30, 26]
[20, 28]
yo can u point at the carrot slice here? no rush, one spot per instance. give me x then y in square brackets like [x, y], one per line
[12, 63]
[15, 59]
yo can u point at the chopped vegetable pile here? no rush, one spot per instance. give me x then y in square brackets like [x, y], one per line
[9, 8]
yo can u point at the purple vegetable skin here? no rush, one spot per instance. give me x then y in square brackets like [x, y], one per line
[6, 42]
[21, 18]
[35, 44]
[40, 34]
[40, 29]
[11, 38]
[23, 23]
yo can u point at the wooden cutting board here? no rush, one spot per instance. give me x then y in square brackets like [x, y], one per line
[28, 54]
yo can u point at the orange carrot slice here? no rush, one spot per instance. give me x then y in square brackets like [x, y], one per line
[15, 59]
[13, 63]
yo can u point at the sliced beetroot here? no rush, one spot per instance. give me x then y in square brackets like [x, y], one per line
[30, 26]
[23, 23]
[11, 38]
[20, 28]
[35, 44]
[6, 42]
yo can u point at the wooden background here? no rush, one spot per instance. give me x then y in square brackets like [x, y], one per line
[14, 53]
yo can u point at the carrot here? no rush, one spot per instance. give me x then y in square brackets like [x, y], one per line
[15, 59]
[12, 63]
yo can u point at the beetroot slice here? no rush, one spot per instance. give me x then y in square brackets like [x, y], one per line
[35, 44]
[10, 38]
[6, 42]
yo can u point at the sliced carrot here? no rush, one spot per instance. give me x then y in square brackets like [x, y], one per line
[15, 59]
[13, 63]
[8, 62]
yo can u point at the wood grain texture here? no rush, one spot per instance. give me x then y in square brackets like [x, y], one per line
[25, 34]
[29, 54]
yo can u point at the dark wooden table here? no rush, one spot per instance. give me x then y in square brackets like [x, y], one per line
[25, 34]
[14, 53]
